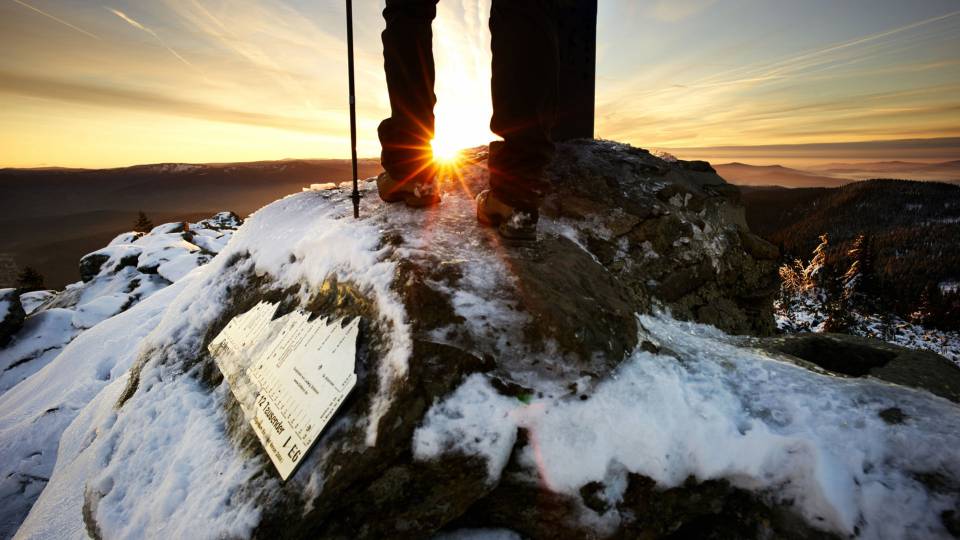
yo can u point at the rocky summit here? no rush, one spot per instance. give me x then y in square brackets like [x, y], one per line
[606, 382]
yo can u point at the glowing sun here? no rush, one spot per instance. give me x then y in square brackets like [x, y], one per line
[445, 151]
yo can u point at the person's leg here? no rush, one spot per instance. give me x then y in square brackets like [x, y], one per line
[408, 61]
[525, 88]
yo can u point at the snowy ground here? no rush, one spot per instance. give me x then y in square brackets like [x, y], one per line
[723, 411]
[131, 268]
[805, 315]
[164, 465]
[75, 342]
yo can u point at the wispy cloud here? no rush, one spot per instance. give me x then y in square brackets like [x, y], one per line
[676, 10]
[150, 31]
[155, 103]
[58, 19]
[806, 95]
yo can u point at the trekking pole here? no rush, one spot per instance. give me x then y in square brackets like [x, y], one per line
[353, 111]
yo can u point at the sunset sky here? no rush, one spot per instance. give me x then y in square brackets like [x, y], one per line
[86, 83]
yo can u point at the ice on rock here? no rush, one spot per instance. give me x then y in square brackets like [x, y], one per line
[714, 410]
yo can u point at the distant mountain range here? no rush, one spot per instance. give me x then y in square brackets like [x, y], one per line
[54, 216]
[836, 174]
[945, 171]
[742, 174]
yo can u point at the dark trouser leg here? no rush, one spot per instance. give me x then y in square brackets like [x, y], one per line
[525, 94]
[408, 61]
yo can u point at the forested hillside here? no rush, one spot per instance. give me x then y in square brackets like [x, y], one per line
[912, 228]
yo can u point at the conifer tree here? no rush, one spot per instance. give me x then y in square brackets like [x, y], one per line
[143, 223]
[860, 283]
[30, 280]
[925, 310]
[835, 302]
[814, 272]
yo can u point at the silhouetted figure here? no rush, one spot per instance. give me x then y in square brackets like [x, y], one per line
[525, 95]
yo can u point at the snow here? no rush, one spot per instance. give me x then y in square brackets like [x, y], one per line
[717, 410]
[125, 278]
[474, 420]
[322, 187]
[34, 413]
[479, 534]
[99, 309]
[39, 341]
[74, 342]
[805, 313]
[164, 464]
[175, 268]
[173, 465]
[33, 300]
[167, 443]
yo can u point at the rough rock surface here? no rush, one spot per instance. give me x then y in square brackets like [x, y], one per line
[673, 231]
[11, 315]
[857, 356]
[465, 346]
[624, 231]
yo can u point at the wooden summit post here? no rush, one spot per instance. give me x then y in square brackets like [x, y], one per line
[577, 32]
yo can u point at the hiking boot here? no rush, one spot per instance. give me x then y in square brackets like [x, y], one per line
[512, 223]
[415, 193]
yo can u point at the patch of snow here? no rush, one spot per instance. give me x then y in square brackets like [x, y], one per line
[163, 256]
[474, 420]
[479, 534]
[34, 413]
[125, 238]
[174, 268]
[805, 313]
[42, 337]
[322, 187]
[716, 411]
[33, 300]
[99, 309]
[648, 251]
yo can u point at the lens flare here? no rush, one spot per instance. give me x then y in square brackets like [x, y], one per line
[445, 152]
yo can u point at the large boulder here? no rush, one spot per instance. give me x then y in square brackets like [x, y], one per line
[554, 390]
[673, 232]
[855, 356]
